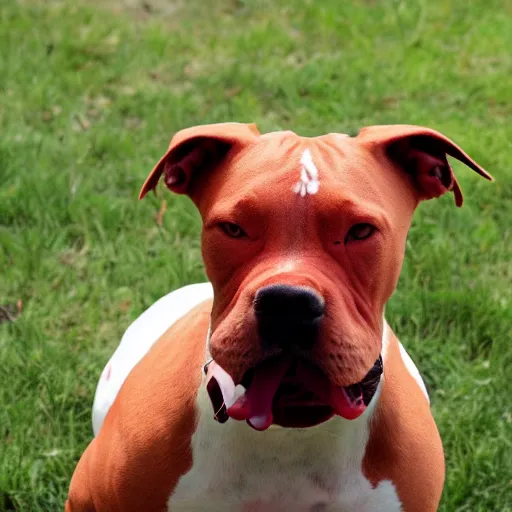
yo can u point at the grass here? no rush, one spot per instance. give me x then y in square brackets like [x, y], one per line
[90, 94]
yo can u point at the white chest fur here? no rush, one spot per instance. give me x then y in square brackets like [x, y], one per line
[238, 469]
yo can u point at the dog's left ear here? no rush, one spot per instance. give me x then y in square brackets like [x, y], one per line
[195, 149]
[422, 153]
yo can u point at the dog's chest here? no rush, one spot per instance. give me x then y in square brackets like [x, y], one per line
[238, 469]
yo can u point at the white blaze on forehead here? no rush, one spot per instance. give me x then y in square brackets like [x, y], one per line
[308, 183]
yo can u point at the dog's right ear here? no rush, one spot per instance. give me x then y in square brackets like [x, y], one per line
[195, 149]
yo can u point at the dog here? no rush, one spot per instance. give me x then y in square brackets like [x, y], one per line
[279, 386]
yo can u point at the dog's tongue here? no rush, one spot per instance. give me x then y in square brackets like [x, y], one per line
[256, 405]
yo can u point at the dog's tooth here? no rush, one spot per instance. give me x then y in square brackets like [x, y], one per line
[226, 384]
[239, 391]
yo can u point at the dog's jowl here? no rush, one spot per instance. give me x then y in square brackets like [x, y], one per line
[277, 385]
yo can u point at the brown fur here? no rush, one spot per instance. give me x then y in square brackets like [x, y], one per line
[404, 444]
[144, 445]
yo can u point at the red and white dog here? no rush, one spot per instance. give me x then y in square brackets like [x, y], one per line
[279, 386]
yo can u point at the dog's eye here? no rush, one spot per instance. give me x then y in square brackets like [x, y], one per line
[232, 230]
[360, 232]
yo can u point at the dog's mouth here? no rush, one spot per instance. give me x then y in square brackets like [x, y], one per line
[288, 392]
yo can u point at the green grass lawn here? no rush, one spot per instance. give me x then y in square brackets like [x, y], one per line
[89, 98]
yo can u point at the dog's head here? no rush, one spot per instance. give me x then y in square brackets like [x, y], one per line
[303, 240]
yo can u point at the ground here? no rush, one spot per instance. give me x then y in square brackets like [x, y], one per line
[91, 93]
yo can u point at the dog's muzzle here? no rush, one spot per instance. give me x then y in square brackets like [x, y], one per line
[286, 388]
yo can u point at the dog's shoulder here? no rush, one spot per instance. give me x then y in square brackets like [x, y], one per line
[404, 444]
[144, 446]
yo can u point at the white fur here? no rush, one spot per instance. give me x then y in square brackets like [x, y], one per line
[239, 469]
[406, 358]
[413, 370]
[308, 183]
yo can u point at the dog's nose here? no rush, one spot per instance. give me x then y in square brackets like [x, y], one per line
[288, 316]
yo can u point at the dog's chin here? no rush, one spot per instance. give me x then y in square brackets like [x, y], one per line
[289, 392]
